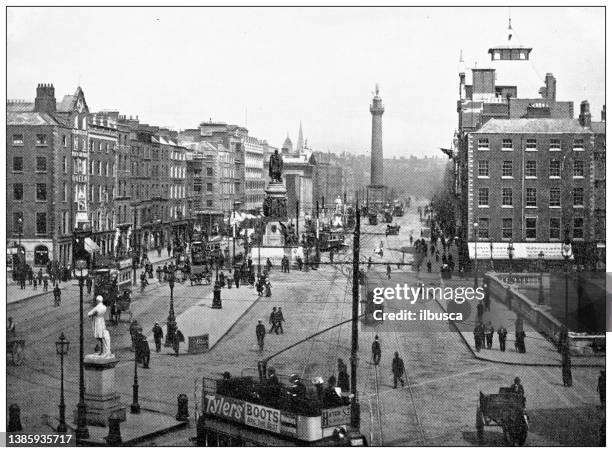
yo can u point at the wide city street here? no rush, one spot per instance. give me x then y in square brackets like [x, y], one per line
[437, 405]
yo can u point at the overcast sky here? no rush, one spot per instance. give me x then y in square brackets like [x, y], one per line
[269, 68]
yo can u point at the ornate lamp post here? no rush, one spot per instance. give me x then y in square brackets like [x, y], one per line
[80, 272]
[171, 318]
[475, 254]
[61, 348]
[541, 290]
[510, 256]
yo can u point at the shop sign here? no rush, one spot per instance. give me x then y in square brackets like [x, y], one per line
[262, 417]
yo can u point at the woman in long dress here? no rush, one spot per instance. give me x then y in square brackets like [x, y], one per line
[268, 288]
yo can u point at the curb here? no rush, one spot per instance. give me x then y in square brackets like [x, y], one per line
[235, 322]
[504, 362]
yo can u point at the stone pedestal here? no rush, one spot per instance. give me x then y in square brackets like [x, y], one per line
[273, 237]
[101, 395]
[376, 196]
[275, 211]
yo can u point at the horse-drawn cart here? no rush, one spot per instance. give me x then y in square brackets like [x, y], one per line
[505, 409]
[392, 230]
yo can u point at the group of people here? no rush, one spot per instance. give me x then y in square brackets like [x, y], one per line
[26, 275]
[483, 336]
[285, 264]
[140, 343]
[263, 286]
[276, 321]
[397, 364]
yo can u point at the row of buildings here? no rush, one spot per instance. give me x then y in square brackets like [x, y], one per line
[525, 171]
[137, 186]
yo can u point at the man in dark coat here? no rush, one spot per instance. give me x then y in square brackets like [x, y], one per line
[280, 319]
[517, 387]
[489, 331]
[397, 367]
[376, 351]
[158, 335]
[502, 333]
[143, 350]
[272, 321]
[178, 339]
[237, 278]
[260, 333]
[57, 294]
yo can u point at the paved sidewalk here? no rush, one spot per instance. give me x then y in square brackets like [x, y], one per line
[14, 294]
[539, 350]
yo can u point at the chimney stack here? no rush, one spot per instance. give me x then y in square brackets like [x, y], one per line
[45, 98]
[585, 114]
[550, 87]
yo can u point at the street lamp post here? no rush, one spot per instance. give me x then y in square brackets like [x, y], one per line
[541, 290]
[566, 252]
[81, 431]
[61, 348]
[135, 407]
[510, 256]
[19, 249]
[475, 252]
[171, 318]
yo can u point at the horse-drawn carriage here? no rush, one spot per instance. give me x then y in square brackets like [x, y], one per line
[505, 409]
[392, 230]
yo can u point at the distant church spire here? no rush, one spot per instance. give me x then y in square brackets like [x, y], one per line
[300, 140]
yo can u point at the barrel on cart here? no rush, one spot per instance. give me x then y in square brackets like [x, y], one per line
[505, 409]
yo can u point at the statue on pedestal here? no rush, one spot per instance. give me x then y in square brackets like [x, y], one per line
[99, 327]
[275, 167]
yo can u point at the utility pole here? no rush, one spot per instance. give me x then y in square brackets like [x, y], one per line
[355, 409]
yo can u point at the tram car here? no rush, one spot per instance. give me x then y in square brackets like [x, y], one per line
[331, 239]
[199, 270]
[112, 279]
[398, 209]
[242, 411]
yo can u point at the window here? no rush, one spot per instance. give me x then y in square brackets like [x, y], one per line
[483, 168]
[64, 164]
[483, 196]
[578, 196]
[555, 228]
[578, 144]
[17, 163]
[531, 169]
[41, 192]
[75, 143]
[578, 169]
[99, 168]
[18, 191]
[65, 198]
[531, 227]
[530, 197]
[507, 169]
[41, 139]
[41, 164]
[18, 222]
[507, 228]
[578, 228]
[91, 167]
[555, 197]
[531, 145]
[483, 228]
[507, 144]
[555, 144]
[41, 223]
[555, 169]
[209, 187]
[64, 141]
[483, 143]
[105, 168]
[507, 197]
[18, 139]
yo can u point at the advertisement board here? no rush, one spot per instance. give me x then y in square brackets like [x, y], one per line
[224, 407]
[522, 250]
[262, 417]
[335, 416]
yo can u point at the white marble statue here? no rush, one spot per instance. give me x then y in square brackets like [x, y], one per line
[97, 320]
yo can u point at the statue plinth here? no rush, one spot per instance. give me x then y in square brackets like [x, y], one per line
[101, 395]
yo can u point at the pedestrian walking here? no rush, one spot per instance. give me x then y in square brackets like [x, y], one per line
[477, 344]
[57, 293]
[158, 335]
[268, 265]
[40, 277]
[411, 239]
[429, 266]
[280, 319]
[397, 368]
[260, 333]
[519, 342]
[45, 282]
[376, 351]
[89, 284]
[237, 278]
[260, 287]
[489, 335]
[268, 286]
[252, 279]
[178, 339]
[388, 271]
[229, 280]
[143, 350]
[566, 367]
[300, 263]
[272, 320]
[479, 310]
[169, 249]
[35, 284]
[221, 279]
[437, 256]
[502, 333]
[601, 387]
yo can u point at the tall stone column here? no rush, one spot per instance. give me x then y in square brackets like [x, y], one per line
[376, 160]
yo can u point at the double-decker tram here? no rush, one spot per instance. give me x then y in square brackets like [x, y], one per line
[242, 411]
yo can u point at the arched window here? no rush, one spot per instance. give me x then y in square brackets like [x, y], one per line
[41, 255]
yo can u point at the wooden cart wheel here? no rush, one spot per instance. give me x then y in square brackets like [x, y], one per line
[479, 425]
[521, 429]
